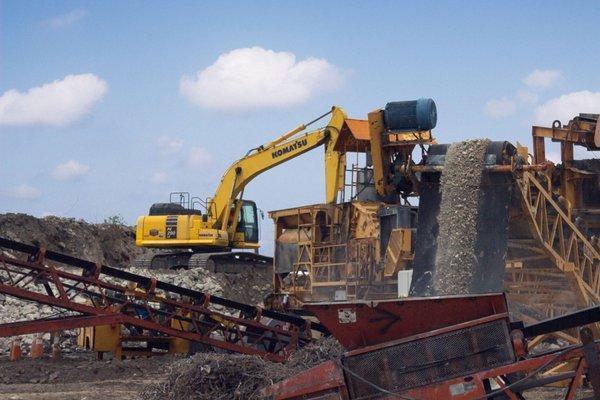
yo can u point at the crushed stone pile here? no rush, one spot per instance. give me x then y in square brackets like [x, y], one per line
[113, 245]
[218, 376]
[456, 261]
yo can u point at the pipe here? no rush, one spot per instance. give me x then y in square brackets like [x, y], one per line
[488, 168]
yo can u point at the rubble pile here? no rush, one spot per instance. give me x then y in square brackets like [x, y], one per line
[110, 244]
[217, 376]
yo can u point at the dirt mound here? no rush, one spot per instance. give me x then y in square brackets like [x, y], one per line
[461, 179]
[111, 244]
[218, 376]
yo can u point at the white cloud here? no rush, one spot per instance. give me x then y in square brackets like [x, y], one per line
[254, 77]
[65, 20]
[567, 106]
[69, 171]
[169, 146]
[198, 157]
[553, 156]
[527, 98]
[541, 79]
[24, 192]
[59, 103]
[498, 108]
[160, 177]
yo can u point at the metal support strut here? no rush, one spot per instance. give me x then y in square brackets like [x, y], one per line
[92, 294]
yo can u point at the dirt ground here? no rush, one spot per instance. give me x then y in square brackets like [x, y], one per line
[79, 376]
[109, 243]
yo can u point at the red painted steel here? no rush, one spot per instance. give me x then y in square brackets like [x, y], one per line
[92, 298]
[314, 382]
[324, 378]
[360, 324]
[435, 332]
[57, 324]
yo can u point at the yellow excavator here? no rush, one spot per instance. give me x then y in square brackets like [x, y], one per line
[205, 236]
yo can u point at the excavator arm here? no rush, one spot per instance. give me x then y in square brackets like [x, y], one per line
[263, 158]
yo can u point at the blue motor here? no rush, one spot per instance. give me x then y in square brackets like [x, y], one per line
[410, 115]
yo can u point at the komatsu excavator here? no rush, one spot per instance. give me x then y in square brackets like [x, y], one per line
[206, 238]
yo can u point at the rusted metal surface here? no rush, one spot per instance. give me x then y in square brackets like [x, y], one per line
[430, 358]
[510, 380]
[57, 324]
[102, 293]
[474, 386]
[366, 323]
[324, 379]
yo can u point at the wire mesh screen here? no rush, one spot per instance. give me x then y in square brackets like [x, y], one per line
[430, 360]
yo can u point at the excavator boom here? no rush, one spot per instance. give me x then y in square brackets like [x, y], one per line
[285, 148]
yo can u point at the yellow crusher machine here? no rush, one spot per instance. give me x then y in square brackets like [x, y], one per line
[486, 216]
[197, 233]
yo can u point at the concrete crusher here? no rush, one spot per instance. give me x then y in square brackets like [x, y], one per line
[512, 220]
[355, 249]
[413, 291]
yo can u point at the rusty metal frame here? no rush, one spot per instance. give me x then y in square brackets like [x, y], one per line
[100, 295]
[327, 379]
[57, 324]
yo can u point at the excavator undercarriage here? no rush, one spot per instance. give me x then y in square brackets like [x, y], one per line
[228, 262]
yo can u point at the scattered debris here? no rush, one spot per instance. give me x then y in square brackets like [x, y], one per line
[221, 376]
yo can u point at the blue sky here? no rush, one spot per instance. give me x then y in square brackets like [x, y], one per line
[95, 120]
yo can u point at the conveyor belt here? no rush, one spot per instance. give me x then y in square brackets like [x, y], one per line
[100, 290]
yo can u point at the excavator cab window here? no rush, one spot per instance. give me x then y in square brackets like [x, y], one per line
[248, 221]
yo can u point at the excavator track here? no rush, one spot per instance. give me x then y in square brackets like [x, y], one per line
[144, 261]
[226, 262]
[229, 262]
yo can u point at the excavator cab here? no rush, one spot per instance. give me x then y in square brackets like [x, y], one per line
[247, 226]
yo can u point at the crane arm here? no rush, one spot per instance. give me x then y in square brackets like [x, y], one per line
[285, 148]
